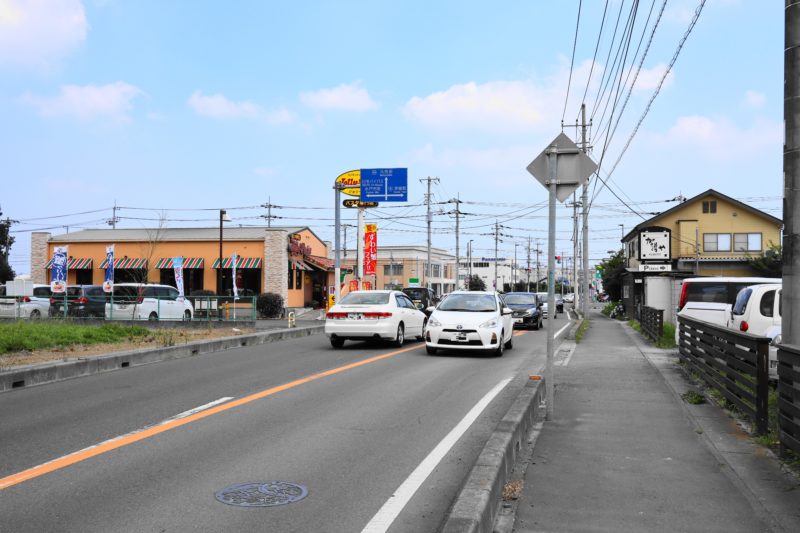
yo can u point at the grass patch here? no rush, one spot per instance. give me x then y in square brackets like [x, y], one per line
[581, 330]
[635, 325]
[693, 397]
[609, 307]
[667, 340]
[29, 335]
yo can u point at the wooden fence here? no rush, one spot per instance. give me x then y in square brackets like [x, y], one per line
[734, 363]
[789, 398]
[652, 321]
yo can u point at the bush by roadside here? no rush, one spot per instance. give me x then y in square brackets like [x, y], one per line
[269, 305]
[667, 340]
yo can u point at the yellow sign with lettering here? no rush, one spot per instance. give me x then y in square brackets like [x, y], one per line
[351, 183]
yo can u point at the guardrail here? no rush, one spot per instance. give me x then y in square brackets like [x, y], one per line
[652, 321]
[789, 398]
[736, 364]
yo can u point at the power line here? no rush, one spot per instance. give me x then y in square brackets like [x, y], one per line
[572, 61]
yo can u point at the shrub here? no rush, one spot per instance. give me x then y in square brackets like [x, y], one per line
[203, 292]
[269, 305]
[608, 308]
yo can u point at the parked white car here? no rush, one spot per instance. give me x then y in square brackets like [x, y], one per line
[137, 301]
[757, 311]
[364, 315]
[470, 320]
[711, 299]
[34, 306]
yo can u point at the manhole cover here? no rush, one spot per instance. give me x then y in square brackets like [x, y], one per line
[262, 494]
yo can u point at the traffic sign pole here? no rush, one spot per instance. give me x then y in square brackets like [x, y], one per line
[337, 241]
[552, 167]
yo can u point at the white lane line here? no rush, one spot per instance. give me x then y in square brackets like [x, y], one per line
[559, 332]
[198, 409]
[565, 361]
[387, 514]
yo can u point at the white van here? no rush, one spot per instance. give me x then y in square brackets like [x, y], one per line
[757, 311]
[711, 299]
[137, 301]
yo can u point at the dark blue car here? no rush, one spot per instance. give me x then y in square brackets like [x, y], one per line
[527, 309]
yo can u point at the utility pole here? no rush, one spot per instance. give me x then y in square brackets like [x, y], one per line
[114, 218]
[268, 206]
[514, 270]
[528, 282]
[496, 241]
[576, 302]
[585, 208]
[791, 173]
[538, 277]
[469, 254]
[457, 201]
[430, 219]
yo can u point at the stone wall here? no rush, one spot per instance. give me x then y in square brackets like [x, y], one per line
[39, 256]
[276, 260]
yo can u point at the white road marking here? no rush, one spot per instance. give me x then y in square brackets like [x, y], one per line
[559, 332]
[387, 514]
[198, 409]
[565, 361]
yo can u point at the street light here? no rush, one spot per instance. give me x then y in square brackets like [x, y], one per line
[223, 217]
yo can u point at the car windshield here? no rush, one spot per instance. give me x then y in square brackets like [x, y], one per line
[475, 303]
[741, 301]
[416, 294]
[366, 298]
[520, 299]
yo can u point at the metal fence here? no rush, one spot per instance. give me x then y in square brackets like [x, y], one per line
[107, 307]
[736, 364]
[789, 398]
[652, 321]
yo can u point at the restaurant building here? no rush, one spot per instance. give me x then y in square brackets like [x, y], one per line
[289, 261]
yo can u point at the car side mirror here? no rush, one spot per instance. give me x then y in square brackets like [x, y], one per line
[507, 311]
[420, 306]
[430, 309]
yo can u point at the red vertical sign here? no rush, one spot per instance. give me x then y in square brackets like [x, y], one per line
[370, 249]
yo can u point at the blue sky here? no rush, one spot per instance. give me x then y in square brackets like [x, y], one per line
[182, 105]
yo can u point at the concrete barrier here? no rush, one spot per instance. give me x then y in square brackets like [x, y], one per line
[26, 376]
[476, 506]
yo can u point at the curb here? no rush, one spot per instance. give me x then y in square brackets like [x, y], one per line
[476, 506]
[30, 375]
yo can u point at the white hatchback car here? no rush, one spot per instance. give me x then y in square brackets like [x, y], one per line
[137, 301]
[35, 306]
[471, 320]
[364, 315]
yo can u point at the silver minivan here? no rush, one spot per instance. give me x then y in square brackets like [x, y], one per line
[137, 301]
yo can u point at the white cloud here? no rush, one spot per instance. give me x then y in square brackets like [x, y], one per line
[754, 99]
[113, 101]
[720, 139]
[345, 97]
[649, 79]
[220, 107]
[35, 33]
[502, 106]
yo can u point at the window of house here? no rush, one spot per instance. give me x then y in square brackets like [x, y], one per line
[394, 269]
[298, 279]
[480, 265]
[709, 206]
[747, 242]
[83, 276]
[291, 277]
[716, 242]
[436, 270]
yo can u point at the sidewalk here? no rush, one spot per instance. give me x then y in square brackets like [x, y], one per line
[623, 453]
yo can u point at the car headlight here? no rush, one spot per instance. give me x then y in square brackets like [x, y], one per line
[432, 322]
[492, 323]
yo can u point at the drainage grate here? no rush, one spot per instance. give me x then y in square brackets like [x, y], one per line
[262, 494]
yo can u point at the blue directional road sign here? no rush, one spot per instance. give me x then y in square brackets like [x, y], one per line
[384, 185]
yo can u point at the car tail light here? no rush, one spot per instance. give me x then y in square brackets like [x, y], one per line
[83, 300]
[336, 315]
[684, 296]
[744, 326]
[377, 316]
[23, 299]
[53, 300]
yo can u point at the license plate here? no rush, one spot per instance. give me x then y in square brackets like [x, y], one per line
[354, 316]
[461, 337]
[122, 307]
[517, 321]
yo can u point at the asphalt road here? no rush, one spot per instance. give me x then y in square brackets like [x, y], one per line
[349, 425]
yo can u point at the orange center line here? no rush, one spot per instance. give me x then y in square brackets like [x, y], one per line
[136, 436]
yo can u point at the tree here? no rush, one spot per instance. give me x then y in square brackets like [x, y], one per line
[612, 269]
[476, 283]
[770, 264]
[6, 240]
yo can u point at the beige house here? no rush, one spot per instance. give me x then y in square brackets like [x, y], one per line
[710, 235]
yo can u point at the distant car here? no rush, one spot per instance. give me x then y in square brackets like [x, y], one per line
[34, 306]
[365, 315]
[139, 301]
[559, 304]
[82, 301]
[569, 298]
[543, 298]
[471, 320]
[422, 297]
[527, 309]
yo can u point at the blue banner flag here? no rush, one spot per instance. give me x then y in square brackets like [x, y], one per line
[58, 273]
[177, 265]
[108, 281]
